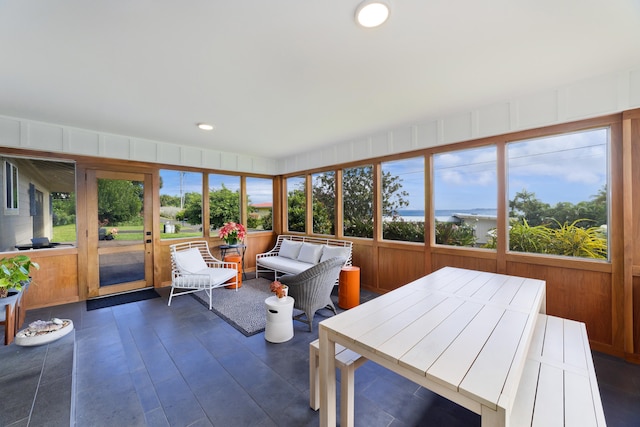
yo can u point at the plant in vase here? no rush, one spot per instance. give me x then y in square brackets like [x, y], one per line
[279, 289]
[14, 273]
[232, 233]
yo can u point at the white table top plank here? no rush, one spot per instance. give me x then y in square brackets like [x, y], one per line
[507, 291]
[474, 285]
[488, 374]
[537, 342]
[529, 293]
[428, 349]
[375, 317]
[440, 278]
[454, 363]
[409, 321]
[458, 282]
[578, 408]
[489, 289]
[549, 407]
[574, 354]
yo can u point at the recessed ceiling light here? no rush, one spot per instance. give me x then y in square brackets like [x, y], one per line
[205, 126]
[372, 13]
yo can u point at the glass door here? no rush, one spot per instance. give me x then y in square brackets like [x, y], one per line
[120, 245]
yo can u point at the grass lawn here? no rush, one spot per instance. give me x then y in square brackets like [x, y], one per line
[67, 233]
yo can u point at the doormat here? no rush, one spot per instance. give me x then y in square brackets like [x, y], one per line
[94, 304]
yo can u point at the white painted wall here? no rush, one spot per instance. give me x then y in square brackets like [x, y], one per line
[606, 94]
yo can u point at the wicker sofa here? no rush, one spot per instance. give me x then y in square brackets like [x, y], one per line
[295, 254]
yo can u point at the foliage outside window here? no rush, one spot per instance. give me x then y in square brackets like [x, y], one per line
[464, 197]
[224, 199]
[324, 202]
[558, 199]
[180, 204]
[11, 186]
[357, 201]
[260, 203]
[403, 200]
[296, 204]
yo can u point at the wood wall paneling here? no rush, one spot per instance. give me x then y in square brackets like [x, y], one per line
[399, 266]
[56, 282]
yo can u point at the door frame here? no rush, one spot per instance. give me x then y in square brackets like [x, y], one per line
[93, 251]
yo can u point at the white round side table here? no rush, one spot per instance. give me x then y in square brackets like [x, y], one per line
[279, 326]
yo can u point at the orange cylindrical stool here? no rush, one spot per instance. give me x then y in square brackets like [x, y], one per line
[237, 259]
[349, 287]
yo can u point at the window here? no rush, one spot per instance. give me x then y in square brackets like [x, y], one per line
[39, 202]
[260, 204]
[324, 202]
[296, 204]
[11, 186]
[557, 194]
[224, 199]
[180, 204]
[464, 197]
[403, 200]
[357, 201]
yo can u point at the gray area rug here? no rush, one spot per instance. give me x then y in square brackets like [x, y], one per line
[244, 310]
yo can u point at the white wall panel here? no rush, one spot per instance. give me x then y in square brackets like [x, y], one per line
[536, 110]
[191, 156]
[145, 151]
[9, 132]
[634, 88]
[228, 161]
[362, 149]
[44, 137]
[169, 154]
[211, 160]
[264, 166]
[402, 140]
[592, 97]
[493, 120]
[457, 128]
[345, 151]
[115, 146]
[380, 144]
[245, 164]
[83, 142]
[427, 134]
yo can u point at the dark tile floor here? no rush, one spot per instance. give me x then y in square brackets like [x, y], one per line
[146, 364]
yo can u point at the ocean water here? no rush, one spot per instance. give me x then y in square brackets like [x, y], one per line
[418, 215]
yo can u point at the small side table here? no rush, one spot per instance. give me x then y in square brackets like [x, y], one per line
[239, 248]
[238, 260]
[279, 326]
[349, 287]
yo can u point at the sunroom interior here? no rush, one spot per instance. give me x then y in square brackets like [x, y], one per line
[354, 147]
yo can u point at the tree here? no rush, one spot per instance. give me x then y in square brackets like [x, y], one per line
[64, 208]
[119, 200]
[224, 206]
[525, 206]
[296, 211]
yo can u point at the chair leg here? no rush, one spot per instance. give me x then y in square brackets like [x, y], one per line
[170, 296]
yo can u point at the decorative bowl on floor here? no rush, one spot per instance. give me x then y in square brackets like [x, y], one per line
[43, 332]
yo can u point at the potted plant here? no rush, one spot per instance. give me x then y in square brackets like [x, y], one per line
[280, 290]
[14, 274]
[232, 233]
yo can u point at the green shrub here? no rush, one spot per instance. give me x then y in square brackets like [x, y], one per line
[449, 233]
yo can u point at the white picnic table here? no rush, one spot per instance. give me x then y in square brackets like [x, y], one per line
[463, 334]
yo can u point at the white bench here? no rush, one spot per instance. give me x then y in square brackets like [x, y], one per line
[558, 386]
[347, 361]
[310, 251]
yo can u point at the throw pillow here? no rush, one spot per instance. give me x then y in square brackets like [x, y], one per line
[190, 261]
[289, 249]
[329, 252]
[310, 253]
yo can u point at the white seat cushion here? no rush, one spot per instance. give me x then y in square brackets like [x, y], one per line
[282, 264]
[190, 261]
[289, 249]
[329, 252]
[197, 279]
[310, 253]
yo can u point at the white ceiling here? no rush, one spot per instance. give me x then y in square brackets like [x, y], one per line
[280, 77]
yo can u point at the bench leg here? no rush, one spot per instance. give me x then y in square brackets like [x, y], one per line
[347, 378]
[314, 378]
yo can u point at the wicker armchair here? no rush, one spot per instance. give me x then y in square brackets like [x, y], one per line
[311, 289]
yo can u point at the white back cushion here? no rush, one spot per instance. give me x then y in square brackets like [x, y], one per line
[329, 252]
[310, 253]
[190, 261]
[289, 249]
